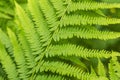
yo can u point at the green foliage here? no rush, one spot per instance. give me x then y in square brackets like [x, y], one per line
[11, 71]
[114, 69]
[55, 40]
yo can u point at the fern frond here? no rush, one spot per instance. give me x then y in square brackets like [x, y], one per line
[39, 20]
[49, 13]
[91, 5]
[29, 30]
[5, 40]
[85, 20]
[18, 56]
[65, 69]
[84, 32]
[27, 50]
[8, 64]
[73, 50]
[49, 77]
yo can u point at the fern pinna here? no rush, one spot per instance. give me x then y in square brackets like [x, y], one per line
[47, 42]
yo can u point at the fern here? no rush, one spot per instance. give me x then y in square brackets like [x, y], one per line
[5, 40]
[91, 5]
[85, 33]
[27, 50]
[65, 69]
[39, 20]
[70, 50]
[18, 55]
[85, 20]
[49, 41]
[26, 24]
[50, 77]
[11, 70]
[114, 69]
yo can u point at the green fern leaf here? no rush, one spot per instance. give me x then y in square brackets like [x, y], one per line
[115, 65]
[49, 13]
[65, 69]
[27, 50]
[11, 69]
[112, 73]
[91, 5]
[19, 56]
[5, 40]
[39, 20]
[59, 7]
[84, 32]
[85, 20]
[73, 50]
[29, 30]
[49, 77]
